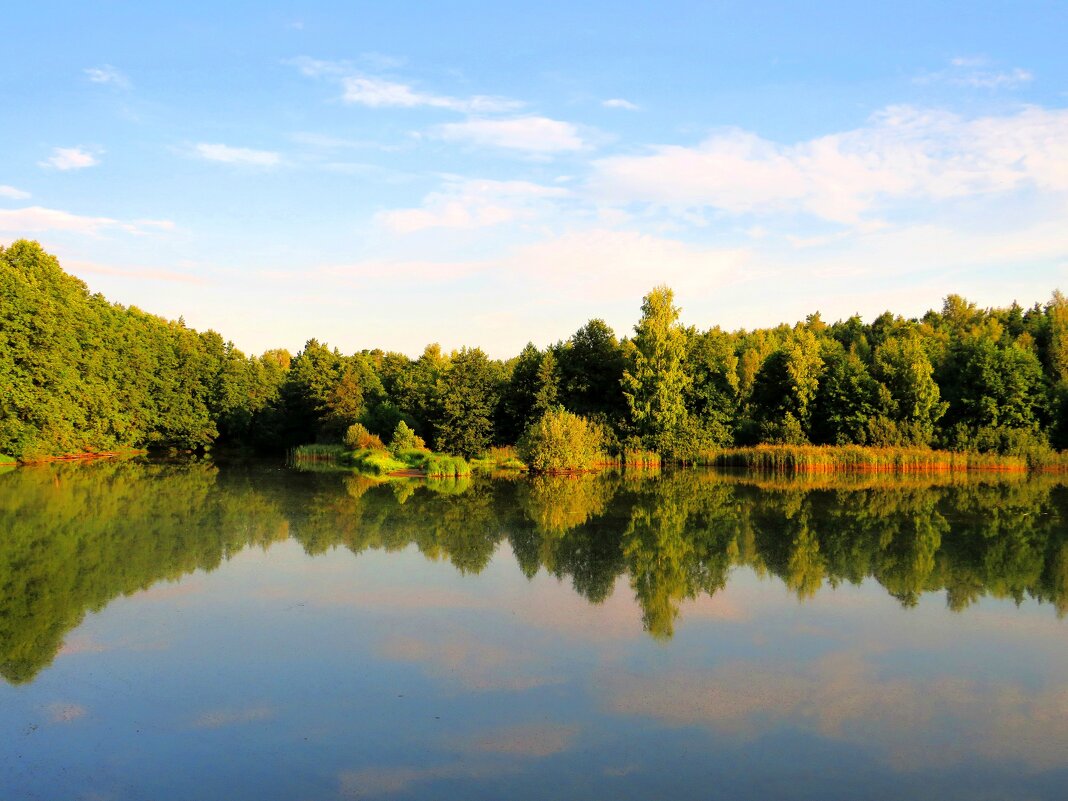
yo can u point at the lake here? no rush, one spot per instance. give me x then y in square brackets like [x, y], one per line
[249, 630]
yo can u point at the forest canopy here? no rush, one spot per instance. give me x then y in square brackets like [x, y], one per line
[79, 374]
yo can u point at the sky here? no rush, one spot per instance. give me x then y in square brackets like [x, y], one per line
[488, 174]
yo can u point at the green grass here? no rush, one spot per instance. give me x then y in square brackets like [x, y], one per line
[442, 466]
[377, 462]
[381, 462]
[845, 458]
[5, 459]
[311, 453]
[498, 459]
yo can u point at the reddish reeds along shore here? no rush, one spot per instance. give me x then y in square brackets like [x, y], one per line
[855, 458]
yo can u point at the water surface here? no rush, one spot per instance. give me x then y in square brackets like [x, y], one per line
[249, 631]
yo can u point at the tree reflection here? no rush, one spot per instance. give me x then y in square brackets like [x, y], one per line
[76, 536]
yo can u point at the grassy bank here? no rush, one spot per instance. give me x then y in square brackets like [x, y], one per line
[383, 462]
[854, 458]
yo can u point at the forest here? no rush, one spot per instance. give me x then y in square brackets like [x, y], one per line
[82, 375]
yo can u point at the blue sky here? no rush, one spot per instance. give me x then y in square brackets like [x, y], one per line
[391, 174]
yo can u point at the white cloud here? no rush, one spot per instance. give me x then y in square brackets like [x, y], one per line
[471, 204]
[317, 68]
[379, 93]
[845, 696]
[624, 264]
[608, 264]
[903, 154]
[237, 155]
[618, 102]
[35, 219]
[537, 135]
[12, 192]
[974, 72]
[997, 80]
[107, 74]
[376, 92]
[70, 158]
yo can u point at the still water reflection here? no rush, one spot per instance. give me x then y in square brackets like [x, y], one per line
[251, 631]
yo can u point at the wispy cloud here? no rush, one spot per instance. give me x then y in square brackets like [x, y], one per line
[79, 268]
[107, 74]
[237, 155]
[471, 204]
[535, 135]
[379, 781]
[361, 88]
[902, 154]
[977, 73]
[35, 219]
[327, 142]
[619, 102]
[844, 696]
[70, 158]
[378, 92]
[527, 740]
[12, 192]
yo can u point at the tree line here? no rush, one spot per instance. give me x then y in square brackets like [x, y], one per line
[80, 374]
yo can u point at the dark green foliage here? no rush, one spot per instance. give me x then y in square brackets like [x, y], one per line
[847, 401]
[590, 368]
[713, 394]
[519, 394]
[468, 390]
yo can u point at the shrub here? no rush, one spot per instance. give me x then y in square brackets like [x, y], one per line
[358, 438]
[439, 466]
[403, 438]
[560, 441]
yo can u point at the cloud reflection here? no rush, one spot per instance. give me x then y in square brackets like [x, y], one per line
[912, 723]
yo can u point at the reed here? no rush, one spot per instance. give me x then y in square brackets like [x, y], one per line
[499, 458]
[317, 452]
[640, 458]
[441, 466]
[848, 458]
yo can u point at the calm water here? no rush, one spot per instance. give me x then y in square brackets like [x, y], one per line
[189, 631]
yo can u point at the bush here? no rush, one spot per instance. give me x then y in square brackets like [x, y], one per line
[404, 439]
[560, 441]
[439, 466]
[358, 438]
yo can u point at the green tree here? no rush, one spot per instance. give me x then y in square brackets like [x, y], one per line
[467, 390]
[713, 393]
[914, 405]
[518, 394]
[590, 367]
[784, 391]
[654, 380]
[847, 400]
